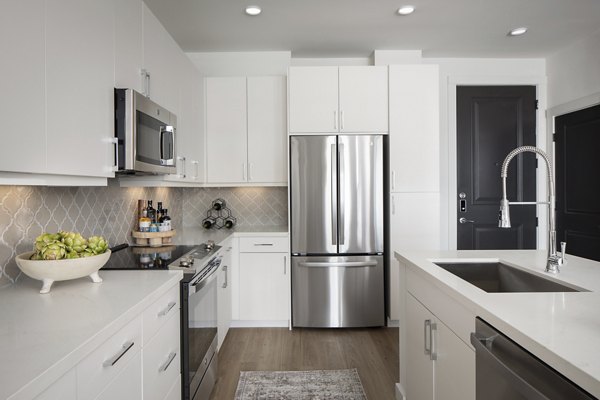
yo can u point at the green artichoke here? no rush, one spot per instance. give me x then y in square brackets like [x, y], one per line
[72, 254]
[97, 244]
[54, 251]
[45, 239]
[74, 242]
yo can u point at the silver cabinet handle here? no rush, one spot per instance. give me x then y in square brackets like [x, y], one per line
[427, 337]
[463, 220]
[339, 264]
[196, 171]
[182, 159]
[166, 310]
[393, 180]
[244, 166]
[113, 360]
[249, 171]
[433, 328]
[165, 366]
[225, 270]
[341, 120]
[285, 264]
[115, 142]
[335, 120]
[263, 244]
[341, 194]
[393, 205]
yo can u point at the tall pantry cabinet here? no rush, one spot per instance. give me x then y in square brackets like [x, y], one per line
[414, 167]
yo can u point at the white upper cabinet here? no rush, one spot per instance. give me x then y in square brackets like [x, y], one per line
[22, 86]
[363, 99]
[267, 139]
[79, 87]
[414, 128]
[245, 130]
[338, 99]
[226, 126]
[129, 55]
[313, 99]
[159, 52]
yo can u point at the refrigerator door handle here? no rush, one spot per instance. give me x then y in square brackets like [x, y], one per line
[338, 264]
[333, 196]
[341, 194]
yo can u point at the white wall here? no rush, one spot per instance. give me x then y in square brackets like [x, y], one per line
[242, 63]
[574, 71]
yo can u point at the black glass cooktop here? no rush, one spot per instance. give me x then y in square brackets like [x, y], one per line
[145, 257]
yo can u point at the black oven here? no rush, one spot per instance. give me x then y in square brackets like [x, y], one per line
[199, 331]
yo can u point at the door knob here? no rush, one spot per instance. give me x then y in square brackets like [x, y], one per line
[463, 220]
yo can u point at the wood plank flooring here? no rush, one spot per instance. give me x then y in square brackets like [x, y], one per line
[373, 352]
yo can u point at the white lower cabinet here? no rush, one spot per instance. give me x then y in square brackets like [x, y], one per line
[64, 389]
[439, 365]
[224, 299]
[161, 361]
[127, 385]
[264, 281]
[175, 392]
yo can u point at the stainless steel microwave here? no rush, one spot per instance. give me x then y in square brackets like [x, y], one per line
[145, 134]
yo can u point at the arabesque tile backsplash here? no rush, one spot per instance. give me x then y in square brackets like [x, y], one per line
[28, 211]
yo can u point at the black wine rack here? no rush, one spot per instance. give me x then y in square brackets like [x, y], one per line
[220, 213]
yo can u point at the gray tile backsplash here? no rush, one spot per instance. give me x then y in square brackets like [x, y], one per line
[28, 211]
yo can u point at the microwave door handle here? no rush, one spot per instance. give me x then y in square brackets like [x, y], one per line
[161, 143]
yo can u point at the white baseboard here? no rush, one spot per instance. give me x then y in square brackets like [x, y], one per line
[259, 324]
[400, 392]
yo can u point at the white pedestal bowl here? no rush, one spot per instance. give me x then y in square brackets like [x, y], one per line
[49, 271]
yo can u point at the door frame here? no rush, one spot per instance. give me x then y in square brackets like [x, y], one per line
[450, 195]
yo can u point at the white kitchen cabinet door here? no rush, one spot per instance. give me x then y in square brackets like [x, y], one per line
[226, 130]
[415, 221]
[419, 372]
[313, 99]
[264, 287]
[22, 86]
[189, 134]
[129, 56]
[159, 52]
[267, 136]
[414, 128]
[80, 87]
[454, 367]
[128, 384]
[363, 99]
[224, 295]
[65, 388]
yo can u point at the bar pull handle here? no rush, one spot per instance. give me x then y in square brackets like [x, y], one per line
[263, 244]
[341, 120]
[114, 359]
[166, 310]
[335, 120]
[225, 270]
[333, 195]
[339, 264]
[285, 264]
[165, 366]
[196, 169]
[115, 142]
[244, 166]
[250, 171]
[393, 180]
[426, 334]
[393, 205]
[342, 194]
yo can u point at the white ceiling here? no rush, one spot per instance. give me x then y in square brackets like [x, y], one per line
[354, 28]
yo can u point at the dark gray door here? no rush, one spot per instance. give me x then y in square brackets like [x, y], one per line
[578, 181]
[491, 121]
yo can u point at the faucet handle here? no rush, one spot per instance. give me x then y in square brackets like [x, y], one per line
[563, 252]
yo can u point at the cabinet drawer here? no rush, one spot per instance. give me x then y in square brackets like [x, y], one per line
[128, 385]
[161, 366]
[159, 312]
[272, 244]
[98, 369]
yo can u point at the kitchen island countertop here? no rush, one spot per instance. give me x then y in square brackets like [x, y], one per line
[562, 329]
[42, 336]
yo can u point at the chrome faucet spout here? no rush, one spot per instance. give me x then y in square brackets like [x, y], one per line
[554, 261]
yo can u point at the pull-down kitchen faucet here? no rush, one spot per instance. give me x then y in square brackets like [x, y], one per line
[554, 260]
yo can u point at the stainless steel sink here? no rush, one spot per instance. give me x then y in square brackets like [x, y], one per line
[496, 277]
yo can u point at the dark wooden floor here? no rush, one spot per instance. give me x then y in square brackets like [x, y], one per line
[373, 352]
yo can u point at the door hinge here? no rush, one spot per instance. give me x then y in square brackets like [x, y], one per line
[537, 104]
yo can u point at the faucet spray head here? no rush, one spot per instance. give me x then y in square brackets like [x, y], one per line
[504, 214]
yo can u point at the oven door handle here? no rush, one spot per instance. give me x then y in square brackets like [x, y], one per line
[200, 282]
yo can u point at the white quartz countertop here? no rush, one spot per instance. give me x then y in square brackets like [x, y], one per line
[562, 329]
[42, 336]
[197, 235]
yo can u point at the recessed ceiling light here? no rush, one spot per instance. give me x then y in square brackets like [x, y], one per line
[517, 31]
[406, 10]
[253, 10]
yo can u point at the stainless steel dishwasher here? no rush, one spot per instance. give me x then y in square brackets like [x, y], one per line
[506, 371]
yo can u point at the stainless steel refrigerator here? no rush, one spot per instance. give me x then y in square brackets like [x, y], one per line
[337, 235]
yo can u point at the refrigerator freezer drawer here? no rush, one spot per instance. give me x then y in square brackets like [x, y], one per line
[337, 292]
